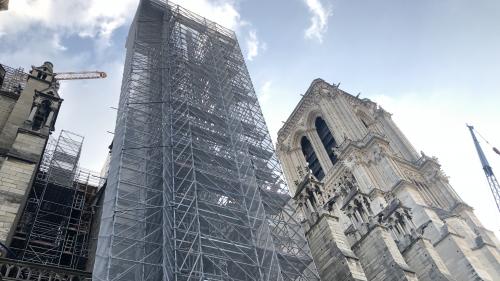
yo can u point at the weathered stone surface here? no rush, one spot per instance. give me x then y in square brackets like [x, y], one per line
[22, 144]
[375, 165]
[28, 146]
[331, 252]
[15, 179]
[380, 257]
[6, 106]
[423, 258]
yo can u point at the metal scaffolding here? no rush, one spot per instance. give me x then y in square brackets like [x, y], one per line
[55, 226]
[195, 191]
[12, 79]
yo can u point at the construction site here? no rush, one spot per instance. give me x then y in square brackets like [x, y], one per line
[55, 227]
[49, 209]
[58, 226]
[193, 190]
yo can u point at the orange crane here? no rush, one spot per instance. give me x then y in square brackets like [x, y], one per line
[80, 75]
[46, 69]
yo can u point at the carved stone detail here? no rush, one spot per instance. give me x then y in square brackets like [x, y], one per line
[24, 271]
[318, 90]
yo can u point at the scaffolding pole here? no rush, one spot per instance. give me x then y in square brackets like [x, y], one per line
[195, 191]
[55, 225]
[12, 79]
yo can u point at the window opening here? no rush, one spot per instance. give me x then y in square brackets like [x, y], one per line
[326, 138]
[311, 158]
[364, 123]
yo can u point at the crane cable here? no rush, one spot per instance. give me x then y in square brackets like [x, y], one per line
[494, 148]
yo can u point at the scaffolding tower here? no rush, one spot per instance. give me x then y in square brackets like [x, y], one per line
[195, 191]
[54, 228]
[12, 79]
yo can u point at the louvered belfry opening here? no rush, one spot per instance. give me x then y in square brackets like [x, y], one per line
[327, 139]
[311, 158]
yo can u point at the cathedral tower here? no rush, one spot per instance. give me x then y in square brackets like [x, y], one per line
[385, 212]
[194, 190]
[29, 107]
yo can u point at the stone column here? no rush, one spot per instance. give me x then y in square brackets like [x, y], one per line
[319, 149]
[48, 122]
[32, 114]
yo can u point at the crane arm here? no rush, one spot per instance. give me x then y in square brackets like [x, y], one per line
[80, 75]
[490, 176]
[482, 157]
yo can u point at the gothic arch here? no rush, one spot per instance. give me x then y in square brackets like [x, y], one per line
[365, 119]
[311, 118]
[326, 137]
[297, 137]
[41, 115]
[311, 158]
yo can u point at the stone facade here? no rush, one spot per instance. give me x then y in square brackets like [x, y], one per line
[14, 270]
[27, 116]
[374, 208]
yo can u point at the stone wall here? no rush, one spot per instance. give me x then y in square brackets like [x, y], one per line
[439, 236]
[15, 178]
[21, 148]
[428, 265]
[6, 105]
[381, 259]
[331, 252]
[28, 145]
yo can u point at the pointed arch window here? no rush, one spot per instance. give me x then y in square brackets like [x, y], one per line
[311, 158]
[364, 123]
[326, 138]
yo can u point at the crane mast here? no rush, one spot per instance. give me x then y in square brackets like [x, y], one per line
[490, 176]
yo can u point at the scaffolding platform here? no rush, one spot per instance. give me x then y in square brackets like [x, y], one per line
[195, 191]
[12, 80]
[56, 222]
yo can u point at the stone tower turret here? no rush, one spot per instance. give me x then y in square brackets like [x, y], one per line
[393, 210]
[26, 120]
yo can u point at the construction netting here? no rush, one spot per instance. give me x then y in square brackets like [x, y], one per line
[195, 191]
[55, 225]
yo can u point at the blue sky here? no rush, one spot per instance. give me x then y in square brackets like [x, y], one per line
[434, 64]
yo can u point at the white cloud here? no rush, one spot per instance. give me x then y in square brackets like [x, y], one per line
[254, 45]
[99, 18]
[319, 19]
[56, 43]
[48, 47]
[47, 24]
[265, 92]
[94, 18]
